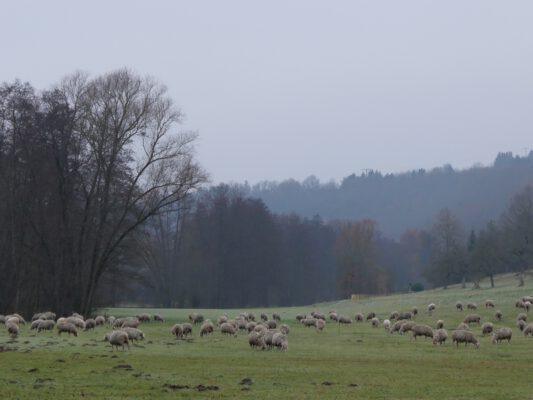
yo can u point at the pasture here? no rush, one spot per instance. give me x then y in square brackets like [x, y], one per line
[343, 361]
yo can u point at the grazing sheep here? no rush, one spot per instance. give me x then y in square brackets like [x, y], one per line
[272, 324]
[118, 338]
[527, 305]
[99, 320]
[255, 340]
[440, 336]
[487, 328]
[144, 317]
[320, 324]
[131, 322]
[228, 329]
[522, 317]
[159, 318]
[370, 315]
[12, 320]
[471, 306]
[472, 319]
[90, 324]
[280, 341]
[431, 308]
[12, 330]
[241, 324]
[334, 317]
[386, 324]
[251, 317]
[528, 330]
[345, 320]
[462, 336]
[394, 315]
[117, 322]
[268, 336]
[283, 328]
[299, 317]
[111, 320]
[318, 315]
[177, 330]
[309, 322]
[264, 317]
[498, 315]
[186, 329]
[439, 324]
[77, 322]
[19, 317]
[502, 334]
[260, 329]
[76, 315]
[406, 327]
[375, 322]
[196, 318]
[404, 316]
[68, 327]
[459, 306]
[35, 324]
[359, 317]
[521, 324]
[46, 325]
[276, 317]
[414, 311]
[519, 304]
[527, 298]
[463, 326]
[422, 330]
[396, 326]
[489, 303]
[36, 317]
[250, 326]
[61, 320]
[222, 319]
[134, 334]
[2, 319]
[207, 328]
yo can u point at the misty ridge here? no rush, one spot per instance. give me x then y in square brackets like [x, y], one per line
[397, 202]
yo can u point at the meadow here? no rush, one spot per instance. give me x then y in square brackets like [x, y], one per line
[344, 361]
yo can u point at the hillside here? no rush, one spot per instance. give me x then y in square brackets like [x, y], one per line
[407, 200]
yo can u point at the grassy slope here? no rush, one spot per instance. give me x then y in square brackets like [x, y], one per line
[381, 365]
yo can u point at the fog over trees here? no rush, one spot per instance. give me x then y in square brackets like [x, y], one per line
[102, 201]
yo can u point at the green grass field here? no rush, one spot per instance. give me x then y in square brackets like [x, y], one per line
[352, 361]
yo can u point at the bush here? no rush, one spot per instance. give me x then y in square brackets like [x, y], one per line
[417, 287]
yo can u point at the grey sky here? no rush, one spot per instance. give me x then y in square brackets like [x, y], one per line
[281, 89]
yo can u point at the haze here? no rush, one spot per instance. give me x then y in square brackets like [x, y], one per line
[289, 89]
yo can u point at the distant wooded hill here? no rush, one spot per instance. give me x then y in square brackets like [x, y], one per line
[407, 200]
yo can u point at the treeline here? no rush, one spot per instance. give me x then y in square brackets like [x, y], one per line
[83, 167]
[398, 202]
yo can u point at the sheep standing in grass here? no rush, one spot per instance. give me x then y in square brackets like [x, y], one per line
[440, 336]
[489, 303]
[519, 304]
[522, 317]
[459, 306]
[359, 317]
[396, 326]
[68, 327]
[498, 315]
[186, 329]
[439, 324]
[35, 324]
[276, 317]
[487, 328]
[345, 320]
[370, 315]
[280, 341]
[255, 340]
[272, 324]
[264, 317]
[134, 334]
[521, 324]
[320, 325]
[196, 318]
[463, 326]
[414, 311]
[131, 322]
[250, 326]
[471, 306]
[111, 320]
[472, 319]
[46, 325]
[299, 317]
[462, 336]
[527, 305]
[528, 330]
[260, 329]
[404, 316]
[144, 317]
[334, 316]
[375, 322]
[77, 322]
[283, 328]
[177, 330]
[422, 330]
[431, 308]
[90, 324]
[207, 328]
[406, 327]
[386, 325]
[228, 329]
[502, 334]
[309, 322]
[12, 329]
[394, 315]
[99, 320]
[119, 338]
[158, 318]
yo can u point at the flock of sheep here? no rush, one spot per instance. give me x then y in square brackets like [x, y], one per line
[269, 333]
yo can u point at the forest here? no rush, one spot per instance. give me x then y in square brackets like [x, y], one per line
[103, 202]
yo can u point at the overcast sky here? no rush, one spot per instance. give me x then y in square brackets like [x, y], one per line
[280, 89]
